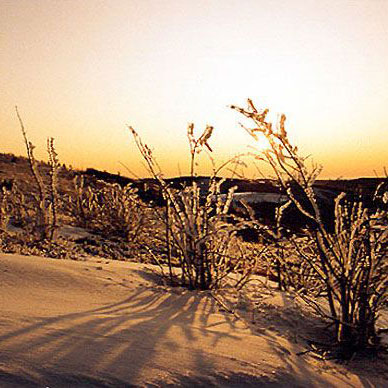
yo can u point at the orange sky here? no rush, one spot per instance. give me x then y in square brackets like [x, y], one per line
[79, 70]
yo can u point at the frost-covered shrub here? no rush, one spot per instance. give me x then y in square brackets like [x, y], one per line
[350, 263]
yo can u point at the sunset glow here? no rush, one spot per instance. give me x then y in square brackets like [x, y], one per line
[80, 70]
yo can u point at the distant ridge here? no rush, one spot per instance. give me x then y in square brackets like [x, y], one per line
[362, 185]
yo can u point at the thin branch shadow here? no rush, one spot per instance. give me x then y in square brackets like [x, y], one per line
[122, 333]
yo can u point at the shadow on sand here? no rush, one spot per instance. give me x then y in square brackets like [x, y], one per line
[118, 344]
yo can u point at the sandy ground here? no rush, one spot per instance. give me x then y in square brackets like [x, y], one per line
[101, 323]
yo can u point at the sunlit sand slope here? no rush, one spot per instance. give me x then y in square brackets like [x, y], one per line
[101, 323]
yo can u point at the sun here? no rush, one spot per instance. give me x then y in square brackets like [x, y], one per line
[262, 143]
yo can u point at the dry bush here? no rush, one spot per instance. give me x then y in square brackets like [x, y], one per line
[45, 202]
[5, 209]
[17, 209]
[199, 229]
[350, 263]
[81, 203]
[109, 209]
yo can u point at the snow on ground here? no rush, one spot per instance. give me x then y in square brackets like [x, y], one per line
[256, 197]
[105, 323]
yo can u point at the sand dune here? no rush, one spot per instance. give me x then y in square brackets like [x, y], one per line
[101, 323]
